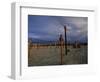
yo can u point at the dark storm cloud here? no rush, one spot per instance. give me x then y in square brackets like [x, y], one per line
[50, 27]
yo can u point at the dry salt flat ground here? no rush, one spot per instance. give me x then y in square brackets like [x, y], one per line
[52, 56]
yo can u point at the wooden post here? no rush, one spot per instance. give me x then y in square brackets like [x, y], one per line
[65, 40]
[61, 49]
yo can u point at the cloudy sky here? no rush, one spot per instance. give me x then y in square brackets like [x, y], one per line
[48, 28]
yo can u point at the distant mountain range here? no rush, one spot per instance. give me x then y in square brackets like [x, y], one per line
[34, 40]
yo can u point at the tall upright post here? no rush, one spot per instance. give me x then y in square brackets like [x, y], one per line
[61, 49]
[65, 40]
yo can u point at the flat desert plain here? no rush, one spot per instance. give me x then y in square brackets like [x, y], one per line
[44, 56]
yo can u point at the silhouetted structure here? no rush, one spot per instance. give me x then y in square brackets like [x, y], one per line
[76, 45]
[65, 40]
[61, 48]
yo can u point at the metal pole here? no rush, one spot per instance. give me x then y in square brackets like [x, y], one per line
[65, 40]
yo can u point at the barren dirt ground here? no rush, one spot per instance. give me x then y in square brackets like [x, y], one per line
[52, 56]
